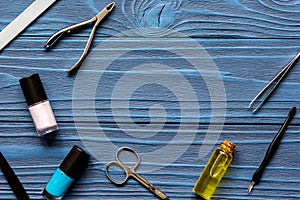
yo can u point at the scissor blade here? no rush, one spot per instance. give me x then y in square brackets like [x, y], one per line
[105, 11]
[23, 20]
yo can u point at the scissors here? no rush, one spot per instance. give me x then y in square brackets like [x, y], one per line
[130, 172]
[96, 19]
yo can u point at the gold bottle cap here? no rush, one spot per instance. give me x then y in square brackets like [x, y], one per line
[228, 146]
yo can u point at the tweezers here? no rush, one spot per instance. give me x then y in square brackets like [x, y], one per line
[96, 19]
[275, 81]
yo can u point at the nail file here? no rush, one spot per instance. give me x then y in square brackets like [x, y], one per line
[12, 179]
[23, 20]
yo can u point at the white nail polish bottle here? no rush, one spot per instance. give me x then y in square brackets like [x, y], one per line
[38, 104]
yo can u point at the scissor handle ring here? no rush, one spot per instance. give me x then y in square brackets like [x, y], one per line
[130, 150]
[110, 178]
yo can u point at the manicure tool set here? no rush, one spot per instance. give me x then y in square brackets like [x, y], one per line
[77, 159]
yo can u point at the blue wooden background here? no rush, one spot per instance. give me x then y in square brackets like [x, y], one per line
[250, 41]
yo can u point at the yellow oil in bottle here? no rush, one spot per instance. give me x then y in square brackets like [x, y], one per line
[214, 170]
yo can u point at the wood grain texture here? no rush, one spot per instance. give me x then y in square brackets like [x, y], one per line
[249, 41]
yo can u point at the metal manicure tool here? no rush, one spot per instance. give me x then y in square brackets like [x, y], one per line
[275, 82]
[96, 20]
[129, 171]
[271, 150]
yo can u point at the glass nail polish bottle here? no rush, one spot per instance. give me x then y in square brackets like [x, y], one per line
[214, 170]
[69, 170]
[38, 104]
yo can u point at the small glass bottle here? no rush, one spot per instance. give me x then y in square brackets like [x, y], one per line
[38, 104]
[69, 170]
[214, 170]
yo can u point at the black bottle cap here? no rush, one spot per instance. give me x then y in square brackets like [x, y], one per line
[75, 162]
[33, 89]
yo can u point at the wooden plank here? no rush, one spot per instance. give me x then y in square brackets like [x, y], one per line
[213, 19]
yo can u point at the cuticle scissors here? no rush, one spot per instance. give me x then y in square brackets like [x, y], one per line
[130, 172]
[96, 19]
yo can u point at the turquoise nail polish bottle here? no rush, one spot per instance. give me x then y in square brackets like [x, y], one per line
[69, 170]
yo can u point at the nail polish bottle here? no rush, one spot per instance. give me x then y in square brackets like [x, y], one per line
[214, 170]
[69, 170]
[38, 104]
